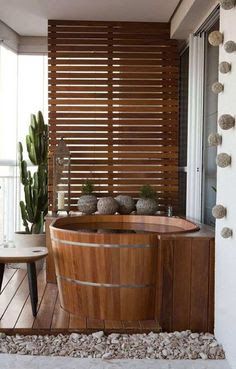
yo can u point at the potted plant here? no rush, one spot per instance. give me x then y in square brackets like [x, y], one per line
[87, 203]
[126, 204]
[35, 204]
[107, 205]
[147, 204]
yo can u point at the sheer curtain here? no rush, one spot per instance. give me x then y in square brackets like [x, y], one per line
[195, 126]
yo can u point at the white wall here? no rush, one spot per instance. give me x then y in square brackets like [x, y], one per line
[22, 44]
[9, 37]
[189, 16]
[225, 306]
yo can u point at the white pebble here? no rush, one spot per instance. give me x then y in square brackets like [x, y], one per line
[107, 356]
[176, 345]
[74, 336]
[99, 347]
[98, 335]
[194, 335]
[114, 336]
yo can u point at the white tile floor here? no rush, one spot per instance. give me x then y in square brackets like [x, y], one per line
[40, 362]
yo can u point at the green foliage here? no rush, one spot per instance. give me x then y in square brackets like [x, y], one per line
[35, 206]
[148, 192]
[87, 188]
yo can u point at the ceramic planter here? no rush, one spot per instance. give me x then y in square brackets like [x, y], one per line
[87, 204]
[107, 205]
[126, 204]
[146, 206]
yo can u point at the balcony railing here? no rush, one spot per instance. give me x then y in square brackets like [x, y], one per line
[9, 200]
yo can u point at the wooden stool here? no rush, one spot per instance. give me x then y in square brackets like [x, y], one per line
[27, 255]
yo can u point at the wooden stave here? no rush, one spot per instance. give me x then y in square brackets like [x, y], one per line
[144, 286]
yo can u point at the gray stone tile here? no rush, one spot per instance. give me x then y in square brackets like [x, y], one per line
[42, 362]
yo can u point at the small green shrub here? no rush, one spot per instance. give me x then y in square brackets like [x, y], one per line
[87, 188]
[148, 192]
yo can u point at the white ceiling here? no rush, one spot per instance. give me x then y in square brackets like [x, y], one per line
[29, 17]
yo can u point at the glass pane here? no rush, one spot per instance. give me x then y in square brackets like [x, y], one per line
[8, 103]
[23, 90]
[32, 90]
[210, 126]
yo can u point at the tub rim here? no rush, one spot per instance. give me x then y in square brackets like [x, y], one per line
[193, 227]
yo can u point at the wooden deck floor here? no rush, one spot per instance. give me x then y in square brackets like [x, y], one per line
[16, 315]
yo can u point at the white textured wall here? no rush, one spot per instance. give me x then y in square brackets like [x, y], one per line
[9, 37]
[189, 16]
[225, 306]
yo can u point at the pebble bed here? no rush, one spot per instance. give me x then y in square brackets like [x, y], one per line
[176, 345]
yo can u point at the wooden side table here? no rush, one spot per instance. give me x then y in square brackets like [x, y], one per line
[28, 255]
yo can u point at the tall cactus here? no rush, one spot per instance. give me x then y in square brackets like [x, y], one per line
[35, 206]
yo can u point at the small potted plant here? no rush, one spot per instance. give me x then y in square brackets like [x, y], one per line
[147, 203]
[107, 205]
[126, 204]
[87, 203]
[34, 207]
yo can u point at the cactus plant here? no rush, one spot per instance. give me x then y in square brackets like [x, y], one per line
[35, 206]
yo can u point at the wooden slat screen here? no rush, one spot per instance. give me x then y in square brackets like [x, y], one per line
[113, 96]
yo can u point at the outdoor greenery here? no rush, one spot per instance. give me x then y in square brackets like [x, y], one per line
[35, 206]
[88, 187]
[148, 192]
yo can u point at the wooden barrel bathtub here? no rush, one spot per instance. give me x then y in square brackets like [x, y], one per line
[107, 265]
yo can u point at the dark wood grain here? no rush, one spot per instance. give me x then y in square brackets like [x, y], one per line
[25, 320]
[187, 281]
[61, 318]
[211, 287]
[45, 313]
[50, 266]
[18, 318]
[14, 308]
[9, 292]
[95, 324]
[76, 322]
[166, 304]
[183, 272]
[182, 284]
[117, 79]
[200, 285]
[118, 282]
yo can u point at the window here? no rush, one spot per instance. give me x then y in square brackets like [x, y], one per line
[23, 90]
[8, 136]
[209, 126]
[183, 128]
[202, 119]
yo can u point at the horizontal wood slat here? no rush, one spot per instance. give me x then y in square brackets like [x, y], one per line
[113, 97]
[116, 62]
[162, 88]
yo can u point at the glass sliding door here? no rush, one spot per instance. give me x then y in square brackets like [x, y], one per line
[209, 126]
[202, 120]
[183, 128]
